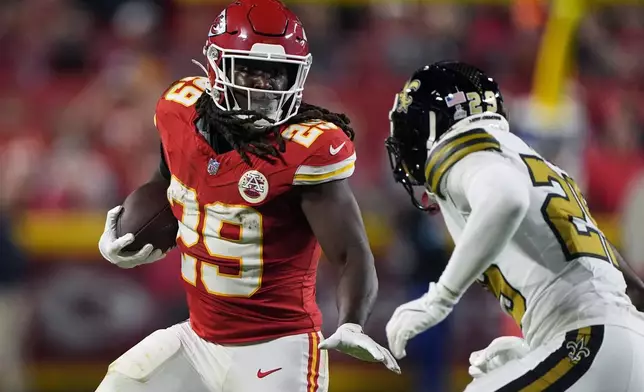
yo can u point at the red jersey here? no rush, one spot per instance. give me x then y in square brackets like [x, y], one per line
[249, 257]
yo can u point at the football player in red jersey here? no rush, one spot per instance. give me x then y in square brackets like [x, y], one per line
[258, 182]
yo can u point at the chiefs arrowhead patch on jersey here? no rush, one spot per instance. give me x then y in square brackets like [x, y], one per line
[253, 186]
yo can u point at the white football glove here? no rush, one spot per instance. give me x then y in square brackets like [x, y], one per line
[417, 316]
[501, 351]
[111, 247]
[349, 339]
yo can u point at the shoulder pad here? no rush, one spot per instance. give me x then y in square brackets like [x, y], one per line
[312, 134]
[185, 92]
[179, 100]
[451, 150]
[323, 153]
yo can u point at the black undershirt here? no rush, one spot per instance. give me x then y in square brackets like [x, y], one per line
[163, 165]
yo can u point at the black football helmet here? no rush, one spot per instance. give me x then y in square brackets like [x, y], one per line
[435, 98]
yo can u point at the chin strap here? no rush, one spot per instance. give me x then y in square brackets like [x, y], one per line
[428, 201]
[203, 68]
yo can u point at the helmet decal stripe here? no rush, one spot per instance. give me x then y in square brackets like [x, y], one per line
[432, 130]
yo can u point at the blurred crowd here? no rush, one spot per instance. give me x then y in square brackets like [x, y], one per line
[80, 80]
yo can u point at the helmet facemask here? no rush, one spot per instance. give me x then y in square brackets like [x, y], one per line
[278, 105]
[406, 148]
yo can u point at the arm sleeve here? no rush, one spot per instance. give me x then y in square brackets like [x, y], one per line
[163, 165]
[497, 196]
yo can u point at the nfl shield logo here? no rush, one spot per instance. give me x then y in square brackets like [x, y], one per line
[213, 166]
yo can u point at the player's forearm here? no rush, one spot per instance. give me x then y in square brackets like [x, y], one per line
[498, 205]
[334, 217]
[357, 287]
[158, 176]
[633, 281]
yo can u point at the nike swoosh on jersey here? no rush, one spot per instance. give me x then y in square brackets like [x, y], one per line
[335, 150]
[261, 374]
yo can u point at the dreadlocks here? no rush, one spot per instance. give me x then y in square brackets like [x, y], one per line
[266, 143]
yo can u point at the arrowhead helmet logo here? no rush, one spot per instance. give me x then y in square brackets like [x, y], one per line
[219, 25]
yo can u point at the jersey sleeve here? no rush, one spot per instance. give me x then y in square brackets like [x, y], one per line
[497, 196]
[332, 157]
[170, 123]
[174, 116]
[450, 151]
[176, 106]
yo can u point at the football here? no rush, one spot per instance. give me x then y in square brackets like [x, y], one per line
[146, 213]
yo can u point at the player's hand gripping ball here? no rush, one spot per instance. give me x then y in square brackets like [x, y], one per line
[140, 231]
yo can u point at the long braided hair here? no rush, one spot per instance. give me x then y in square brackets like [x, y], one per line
[266, 143]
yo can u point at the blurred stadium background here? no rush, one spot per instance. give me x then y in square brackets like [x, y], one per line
[79, 80]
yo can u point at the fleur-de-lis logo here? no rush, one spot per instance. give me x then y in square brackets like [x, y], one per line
[578, 351]
[404, 99]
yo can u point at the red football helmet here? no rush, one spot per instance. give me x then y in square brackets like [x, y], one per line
[259, 30]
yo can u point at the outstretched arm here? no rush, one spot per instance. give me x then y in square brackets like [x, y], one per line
[334, 217]
[496, 197]
[496, 194]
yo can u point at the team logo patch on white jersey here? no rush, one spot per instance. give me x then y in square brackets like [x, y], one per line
[577, 351]
[253, 186]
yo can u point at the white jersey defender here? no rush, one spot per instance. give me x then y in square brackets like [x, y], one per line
[558, 277]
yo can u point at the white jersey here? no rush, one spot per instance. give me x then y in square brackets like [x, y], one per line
[558, 272]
